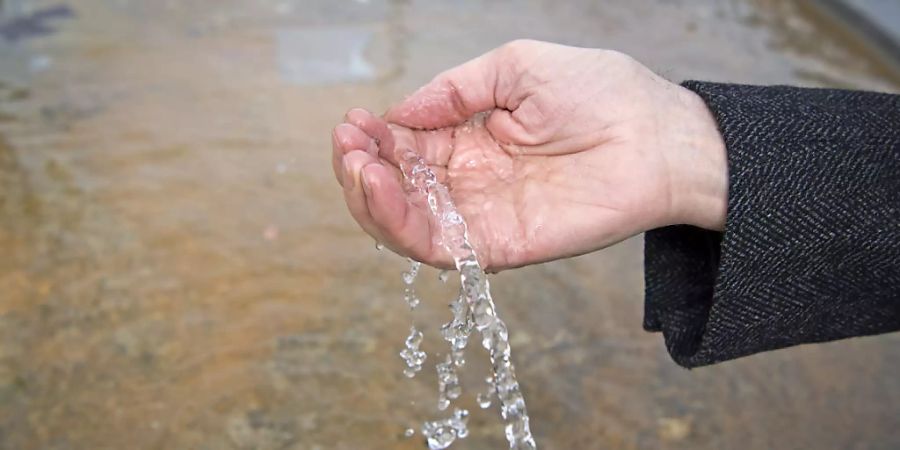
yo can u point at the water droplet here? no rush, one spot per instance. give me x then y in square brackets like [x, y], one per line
[409, 432]
[444, 275]
[440, 434]
[452, 218]
[409, 277]
[448, 382]
[411, 354]
[379, 246]
[412, 300]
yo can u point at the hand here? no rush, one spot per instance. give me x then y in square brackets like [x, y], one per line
[578, 149]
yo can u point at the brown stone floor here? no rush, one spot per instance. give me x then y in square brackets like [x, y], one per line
[178, 271]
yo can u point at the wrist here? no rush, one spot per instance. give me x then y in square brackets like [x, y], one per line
[699, 165]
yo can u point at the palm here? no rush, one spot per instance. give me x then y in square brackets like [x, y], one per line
[489, 188]
[522, 209]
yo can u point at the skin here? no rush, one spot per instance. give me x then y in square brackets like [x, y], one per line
[548, 151]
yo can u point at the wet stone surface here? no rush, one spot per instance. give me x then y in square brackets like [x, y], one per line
[179, 270]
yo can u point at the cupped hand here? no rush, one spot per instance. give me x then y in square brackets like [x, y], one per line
[548, 151]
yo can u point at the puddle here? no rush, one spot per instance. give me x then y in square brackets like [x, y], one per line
[327, 55]
[39, 23]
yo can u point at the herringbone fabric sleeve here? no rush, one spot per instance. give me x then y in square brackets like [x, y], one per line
[811, 247]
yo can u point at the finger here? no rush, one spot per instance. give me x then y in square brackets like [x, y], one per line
[354, 194]
[434, 146]
[525, 126]
[456, 94]
[344, 139]
[377, 129]
[405, 226]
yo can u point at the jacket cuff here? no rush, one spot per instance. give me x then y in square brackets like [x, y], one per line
[680, 267]
[809, 252]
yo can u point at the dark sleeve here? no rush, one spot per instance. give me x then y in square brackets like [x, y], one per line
[811, 248]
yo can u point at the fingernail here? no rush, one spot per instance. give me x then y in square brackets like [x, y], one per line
[349, 179]
[365, 182]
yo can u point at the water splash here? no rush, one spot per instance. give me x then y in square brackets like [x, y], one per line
[484, 398]
[440, 434]
[409, 277]
[411, 354]
[448, 383]
[474, 308]
[457, 331]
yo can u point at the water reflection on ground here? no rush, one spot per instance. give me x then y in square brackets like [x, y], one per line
[178, 269]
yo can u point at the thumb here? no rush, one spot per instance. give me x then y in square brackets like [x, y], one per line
[457, 94]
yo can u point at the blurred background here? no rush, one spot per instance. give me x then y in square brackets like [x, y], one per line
[178, 270]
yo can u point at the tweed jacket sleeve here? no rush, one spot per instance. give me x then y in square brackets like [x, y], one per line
[811, 247]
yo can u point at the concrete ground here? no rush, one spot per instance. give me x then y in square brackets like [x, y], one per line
[178, 270]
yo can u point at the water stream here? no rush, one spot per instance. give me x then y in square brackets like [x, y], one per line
[473, 309]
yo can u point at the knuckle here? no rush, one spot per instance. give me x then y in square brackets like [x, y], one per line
[615, 56]
[517, 47]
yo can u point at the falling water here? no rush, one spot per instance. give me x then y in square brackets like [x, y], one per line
[472, 309]
[411, 354]
[441, 433]
[484, 398]
[409, 277]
